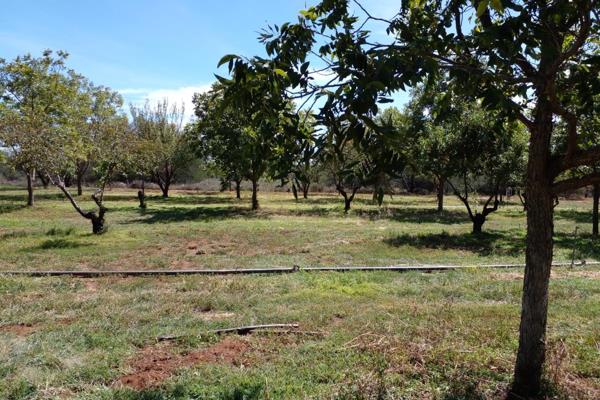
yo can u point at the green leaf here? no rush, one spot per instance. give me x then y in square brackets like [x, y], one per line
[281, 72]
[225, 59]
[497, 5]
[309, 14]
[482, 7]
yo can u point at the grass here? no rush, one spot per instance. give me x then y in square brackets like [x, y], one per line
[382, 335]
[192, 230]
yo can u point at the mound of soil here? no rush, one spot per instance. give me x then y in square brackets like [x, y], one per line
[153, 364]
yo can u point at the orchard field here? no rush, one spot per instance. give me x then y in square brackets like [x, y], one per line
[361, 335]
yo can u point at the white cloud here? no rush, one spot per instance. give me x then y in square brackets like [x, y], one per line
[180, 96]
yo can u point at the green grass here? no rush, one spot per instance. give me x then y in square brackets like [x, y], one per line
[216, 231]
[383, 335]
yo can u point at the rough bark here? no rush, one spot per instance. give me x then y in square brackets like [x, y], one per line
[142, 196]
[255, 204]
[595, 209]
[82, 167]
[30, 180]
[98, 225]
[305, 189]
[238, 189]
[79, 185]
[347, 198]
[164, 188]
[164, 181]
[538, 257]
[97, 219]
[478, 221]
[347, 203]
[440, 194]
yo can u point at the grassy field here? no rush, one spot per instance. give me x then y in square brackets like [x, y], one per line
[192, 230]
[362, 335]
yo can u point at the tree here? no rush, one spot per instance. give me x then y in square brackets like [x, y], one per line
[455, 137]
[258, 93]
[526, 59]
[101, 105]
[298, 157]
[47, 112]
[387, 150]
[219, 136]
[344, 163]
[31, 97]
[112, 155]
[161, 126]
[432, 155]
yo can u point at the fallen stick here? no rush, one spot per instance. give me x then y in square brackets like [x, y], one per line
[240, 330]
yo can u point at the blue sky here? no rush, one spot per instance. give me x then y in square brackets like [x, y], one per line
[147, 48]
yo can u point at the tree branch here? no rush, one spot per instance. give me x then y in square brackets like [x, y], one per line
[578, 158]
[575, 183]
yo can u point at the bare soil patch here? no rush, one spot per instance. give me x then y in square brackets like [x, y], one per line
[156, 363]
[91, 285]
[19, 329]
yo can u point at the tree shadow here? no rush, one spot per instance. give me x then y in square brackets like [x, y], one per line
[486, 243]
[191, 199]
[8, 208]
[18, 198]
[415, 215]
[585, 245]
[581, 217]
[59, 244]
[14, 235]
[205, 214]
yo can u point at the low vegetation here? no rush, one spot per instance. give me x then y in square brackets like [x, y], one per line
[369, 336]
[197, 230]
[362, 335]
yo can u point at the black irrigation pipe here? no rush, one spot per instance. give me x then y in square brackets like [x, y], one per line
[248, 271]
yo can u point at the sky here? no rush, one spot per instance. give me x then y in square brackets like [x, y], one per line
[150, 49]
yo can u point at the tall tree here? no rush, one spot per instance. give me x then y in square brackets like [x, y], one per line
[343, 161]
[31, 103]
[298, 158]
[161, 126]
[527, 59]
[460, 143]
[112, 154]
[220, 139]
[258, 92]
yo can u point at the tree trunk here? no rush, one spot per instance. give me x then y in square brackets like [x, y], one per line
[478, 221]
[538, 262]
[238, 189]
[305, 190]
[142, 196]
[295, 191]
[165, 190]
[254, 194]
[68, 180]
[79, 184]
[347, 202]
[30, 180]
[45, 181]
[98, 226]
[440, 194]
[595, 210]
